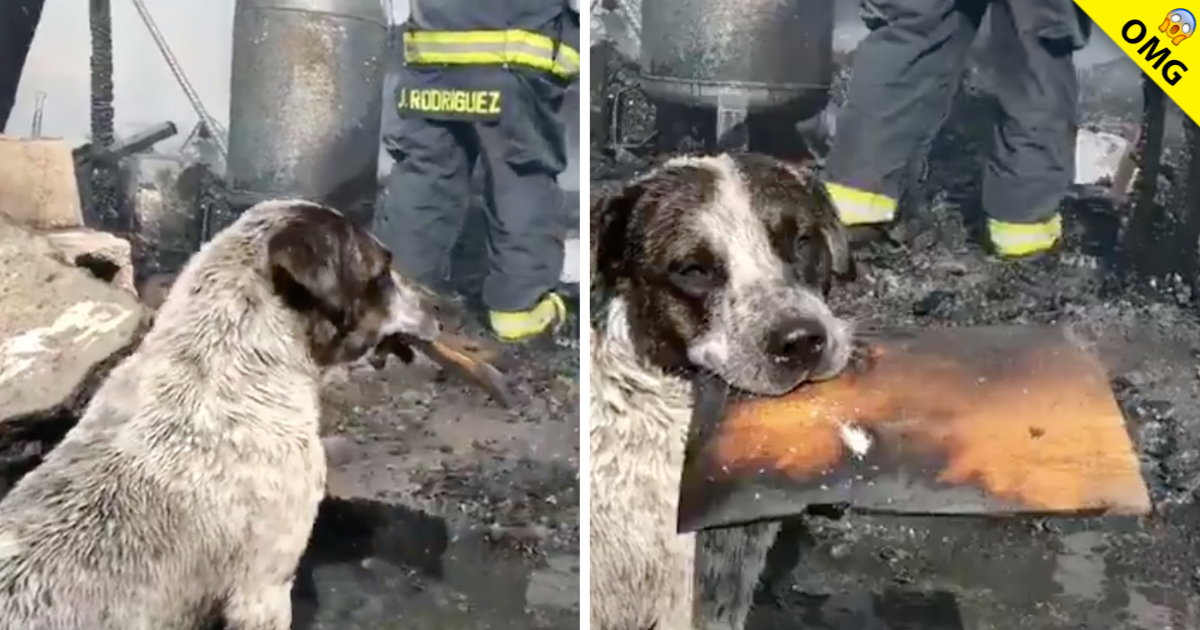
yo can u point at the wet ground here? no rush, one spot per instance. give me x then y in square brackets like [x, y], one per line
[450, 512]
[878, 572]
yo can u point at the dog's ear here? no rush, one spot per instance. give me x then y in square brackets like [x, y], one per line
[833, 234]
[837, 242]
[309, 267]
[837, 247]
[610, 223]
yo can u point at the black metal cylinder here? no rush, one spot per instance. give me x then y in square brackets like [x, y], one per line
[761, 54]
[306, 101]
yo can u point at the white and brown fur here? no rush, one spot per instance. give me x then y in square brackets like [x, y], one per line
[186, 494]
[707, 266]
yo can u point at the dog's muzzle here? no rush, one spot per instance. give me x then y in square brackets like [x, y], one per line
[412, 311]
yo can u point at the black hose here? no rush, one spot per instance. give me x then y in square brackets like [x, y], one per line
[103, 197]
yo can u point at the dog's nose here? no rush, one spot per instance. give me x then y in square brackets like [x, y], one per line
[797, 342]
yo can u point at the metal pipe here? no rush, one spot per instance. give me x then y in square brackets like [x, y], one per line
[101, 194]
[39, 106]
[184, 83]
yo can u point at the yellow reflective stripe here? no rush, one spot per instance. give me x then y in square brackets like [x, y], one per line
[1022, 239]
[510, 326]
[491, 48]
[859, 207]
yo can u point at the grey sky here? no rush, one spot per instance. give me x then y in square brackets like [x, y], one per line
[146, 93]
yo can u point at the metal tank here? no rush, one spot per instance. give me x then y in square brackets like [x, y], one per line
[738, 57]
[306, 101]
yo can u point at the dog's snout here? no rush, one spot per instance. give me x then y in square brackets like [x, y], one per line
[797, 342]
[413, 310]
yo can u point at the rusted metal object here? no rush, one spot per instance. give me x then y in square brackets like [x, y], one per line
[457, 355]
[961, 421]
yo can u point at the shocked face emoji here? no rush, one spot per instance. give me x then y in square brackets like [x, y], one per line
[1179, 25]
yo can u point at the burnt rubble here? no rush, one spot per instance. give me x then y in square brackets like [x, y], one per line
[1133, 297]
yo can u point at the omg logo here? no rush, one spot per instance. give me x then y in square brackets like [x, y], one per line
[1177, 27]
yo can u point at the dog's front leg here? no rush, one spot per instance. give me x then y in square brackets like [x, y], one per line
[260, 607]
[728, 565]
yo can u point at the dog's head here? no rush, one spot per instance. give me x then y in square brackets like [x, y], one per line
[723, 264]
[339, 278]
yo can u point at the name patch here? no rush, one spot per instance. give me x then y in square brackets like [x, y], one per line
[461, 102]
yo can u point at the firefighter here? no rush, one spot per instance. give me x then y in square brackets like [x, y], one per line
[484, 80]
[906, 72]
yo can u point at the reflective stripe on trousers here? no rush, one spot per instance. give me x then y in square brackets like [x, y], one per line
[497, 48]
[517, 326]
[1022, 239]
[858, 207]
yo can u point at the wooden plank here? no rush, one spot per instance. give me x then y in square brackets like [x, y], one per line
[962, 421]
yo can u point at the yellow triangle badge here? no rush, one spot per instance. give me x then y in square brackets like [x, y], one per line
[1157, 36]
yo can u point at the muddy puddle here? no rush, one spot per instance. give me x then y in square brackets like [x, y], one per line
[971, 574]
[374, 565]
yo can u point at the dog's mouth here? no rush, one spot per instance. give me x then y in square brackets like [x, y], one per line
[411, 311]
[779, 370]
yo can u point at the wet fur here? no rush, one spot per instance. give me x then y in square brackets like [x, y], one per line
[186, 494]
[643, 356]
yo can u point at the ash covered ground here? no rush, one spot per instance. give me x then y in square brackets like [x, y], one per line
[450, 511]
[978, 574]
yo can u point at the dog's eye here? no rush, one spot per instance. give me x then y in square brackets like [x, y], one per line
[803, 247]
[810, 263]
[693, 279]
[382, 282]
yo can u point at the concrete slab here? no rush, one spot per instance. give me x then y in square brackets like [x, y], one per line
[58, 324]
[37, 184]
[107, 256]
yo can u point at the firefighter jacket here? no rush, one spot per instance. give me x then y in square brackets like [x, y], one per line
[465, 59]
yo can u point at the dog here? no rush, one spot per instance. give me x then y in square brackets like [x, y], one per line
[716, 267]
[185, 496]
